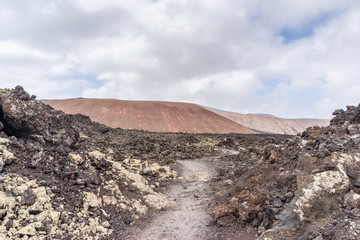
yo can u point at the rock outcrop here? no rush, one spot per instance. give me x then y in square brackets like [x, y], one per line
[307, 188]
[22, 115]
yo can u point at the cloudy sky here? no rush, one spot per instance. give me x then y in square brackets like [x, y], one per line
[287, 58]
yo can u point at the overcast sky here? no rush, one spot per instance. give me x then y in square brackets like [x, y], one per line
[288, 58]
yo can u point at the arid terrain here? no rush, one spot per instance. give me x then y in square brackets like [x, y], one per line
[271, 124]
[66, 177]
[180, 117]
[150, 116]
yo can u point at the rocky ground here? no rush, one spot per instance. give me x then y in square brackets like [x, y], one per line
[65, 177]
[306, 188]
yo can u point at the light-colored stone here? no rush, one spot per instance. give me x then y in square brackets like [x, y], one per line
[133, 164]
[76, 158]
[155, 169]
[346, 159]
[4, 141]
[97, 155]
[55, 217]
[158, 201]
[28, 230]
[109, 200]
[352, 199]
[324, 184]
[353, 129]
[91, 200]
[6, 157]
[139, 208]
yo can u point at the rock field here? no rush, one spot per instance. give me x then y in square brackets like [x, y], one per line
[66, 177]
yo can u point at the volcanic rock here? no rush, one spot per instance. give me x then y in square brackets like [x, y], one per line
[65, 177]
[357, 114]
[28, 197]
[352, 199]
[25, 117]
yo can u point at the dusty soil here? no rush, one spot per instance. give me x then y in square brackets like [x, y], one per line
[197, 192]
[190, 217]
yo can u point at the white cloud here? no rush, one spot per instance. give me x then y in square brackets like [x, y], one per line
[226, 54]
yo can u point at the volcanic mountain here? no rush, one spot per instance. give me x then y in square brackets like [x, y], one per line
[271, 124]
[150, 115]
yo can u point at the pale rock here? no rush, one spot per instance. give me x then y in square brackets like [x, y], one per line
[325, 184]
[76, 158]
[6, 157]
[55, 217]
[109, 200]
[106, 224]
[91, 200]
[158, 201]
[3, 237]
[19, 190]
[133, 164]
[141, 209]
[123, 206]
[353, 129]
[155, 169]
[110, 151]
[100, 229]
[228, 182]
[28, 230]
[4, 141]
[97, 155]
[352, 199]
[31, 183]
[41, 194]
[346, 159]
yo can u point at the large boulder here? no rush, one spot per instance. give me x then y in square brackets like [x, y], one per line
[23, 116]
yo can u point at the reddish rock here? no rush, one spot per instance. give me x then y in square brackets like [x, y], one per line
[223, 210]
[150, 115]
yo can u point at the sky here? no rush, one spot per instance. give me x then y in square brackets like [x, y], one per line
[287, 58]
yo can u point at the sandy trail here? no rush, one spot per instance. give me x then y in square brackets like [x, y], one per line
[191, 217]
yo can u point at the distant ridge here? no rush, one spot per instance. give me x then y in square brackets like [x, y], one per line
[152, 116]
[266, 123]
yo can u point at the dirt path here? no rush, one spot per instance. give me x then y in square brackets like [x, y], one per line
[189, 220]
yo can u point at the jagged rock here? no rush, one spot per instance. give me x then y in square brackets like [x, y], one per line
[21, 93]
[357, 114]
[28, 230]
[6, 157]
[222, 210]
[277, 203]
[28, 197]
[352, 199]
[9, 224]
[289, 195]
[23, 116]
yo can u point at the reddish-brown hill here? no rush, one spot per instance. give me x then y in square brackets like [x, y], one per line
[272, 124]
[150, 115]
